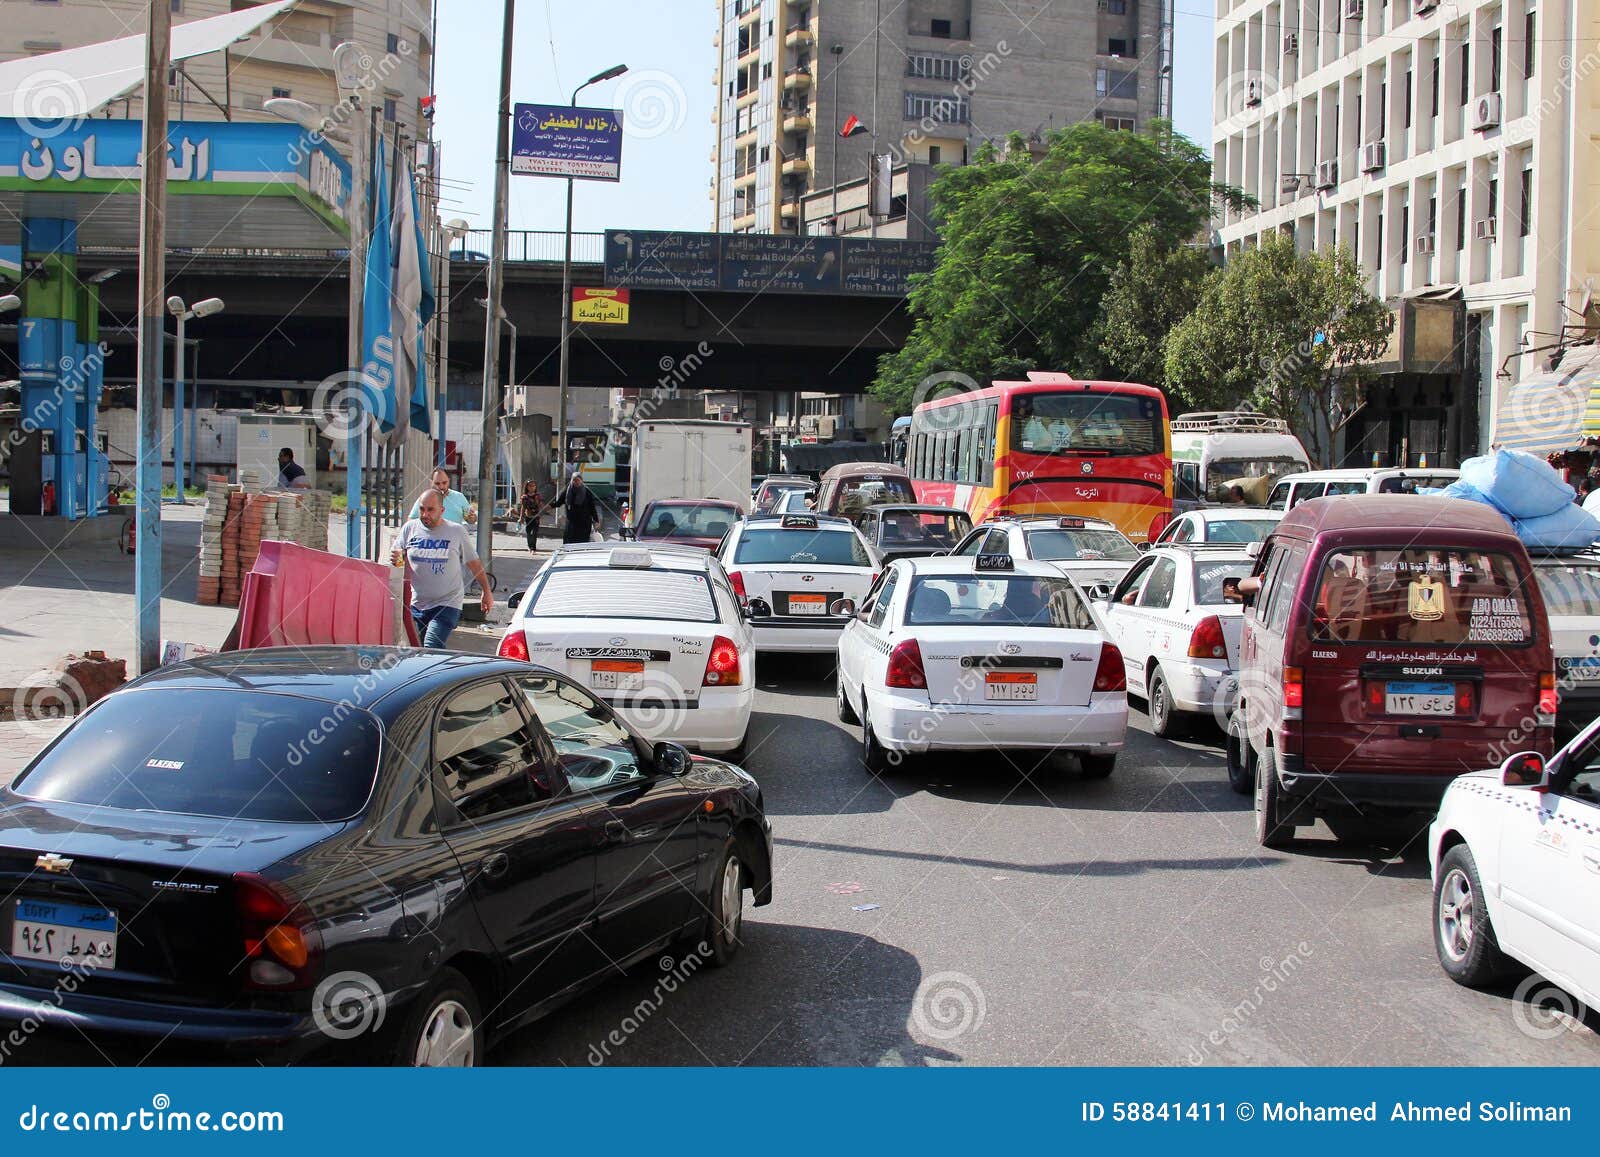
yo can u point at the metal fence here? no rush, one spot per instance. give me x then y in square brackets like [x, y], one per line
[531, 245]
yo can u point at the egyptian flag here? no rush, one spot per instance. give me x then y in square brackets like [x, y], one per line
[852, 126]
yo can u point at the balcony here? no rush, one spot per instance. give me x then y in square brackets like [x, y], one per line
[799, 36]
[745, 220]
[748, 97]
[796, 164]
[789, 209]
[797, 121]
[797, 78]
[748, 177]
[296, 47]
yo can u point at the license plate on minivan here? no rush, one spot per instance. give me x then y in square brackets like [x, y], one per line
[1420, 698]
[63, 933]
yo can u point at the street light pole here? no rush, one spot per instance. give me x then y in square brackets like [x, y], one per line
[179, 310]
[566, 295]
[836, 51]
[487, 449]
[453, 229]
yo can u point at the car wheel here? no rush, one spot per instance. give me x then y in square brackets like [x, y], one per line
[1271, 830]
[727, 907]
[1241, 759]
[1462, 932]
[445, 1028]
[1165, 719]
[841, 702]
[1097, 766]
[873, 757]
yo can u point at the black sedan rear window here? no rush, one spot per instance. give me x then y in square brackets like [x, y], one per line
[233, 754]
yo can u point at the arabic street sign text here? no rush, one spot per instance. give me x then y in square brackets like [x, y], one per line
[600, 306]
[764, 263]
[553, 140]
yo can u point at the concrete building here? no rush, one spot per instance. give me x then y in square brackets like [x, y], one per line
[1449, 147]
[930, 80]
[290, 56]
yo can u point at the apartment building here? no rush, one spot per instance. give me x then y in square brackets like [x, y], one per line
[1448, 146]
[930, 80]
[290, 56]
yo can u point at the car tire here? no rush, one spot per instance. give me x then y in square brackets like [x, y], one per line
[1166, 720]
[1271, 830]
[1097, 766]
[1240, 757]
[1463, 935]
[873, 757]
[444, 1026]
[841, 702]
[725, 935]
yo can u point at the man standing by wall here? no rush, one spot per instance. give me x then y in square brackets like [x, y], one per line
[582, 512]
[437, 555]
[291, 475]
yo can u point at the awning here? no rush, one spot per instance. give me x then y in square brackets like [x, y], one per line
[74, 82]
[1553, 410]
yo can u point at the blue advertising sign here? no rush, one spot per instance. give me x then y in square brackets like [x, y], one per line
[555, 140]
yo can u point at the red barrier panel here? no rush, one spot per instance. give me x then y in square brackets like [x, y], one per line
[297, 597]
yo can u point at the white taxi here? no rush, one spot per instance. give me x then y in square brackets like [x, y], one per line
[655, 631]
[1090, 550]
[1178, 635]
[978, 654]
[1515, 856]
[790, 569]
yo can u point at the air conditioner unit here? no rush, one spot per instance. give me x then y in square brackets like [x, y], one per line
[1327, 174]
[1486, 112]
[1352, 9]
[1425, 245]
[1252, 93]
[1291, 44]
[1484, 230]
[1289, 185]
[1423, 7]
[1372, 156]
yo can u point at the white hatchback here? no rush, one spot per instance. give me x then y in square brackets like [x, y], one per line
[979, 654]
[655, 631]
[1515, 857]
[790, 569]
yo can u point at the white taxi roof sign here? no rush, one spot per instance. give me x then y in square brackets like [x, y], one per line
[631, 556]
[799, 522]
[1070, 522]
[994, 562]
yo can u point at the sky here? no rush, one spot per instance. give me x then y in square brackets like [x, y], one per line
[666, 97]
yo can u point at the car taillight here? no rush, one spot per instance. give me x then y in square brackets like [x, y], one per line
[1109, 673]
[514, 646]
[1207, 642]
[722, 665]
[281, 944]
[737, 580]
[1464, 699]
[1376, 703]
[905, 666]
[1549, 700]
[1294, 688]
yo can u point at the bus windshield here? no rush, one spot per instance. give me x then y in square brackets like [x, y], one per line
[1084, 424]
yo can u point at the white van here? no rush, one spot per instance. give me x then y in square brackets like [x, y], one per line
[1293, 489]
[1212, 451]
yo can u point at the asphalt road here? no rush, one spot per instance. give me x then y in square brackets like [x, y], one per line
[1022, 916]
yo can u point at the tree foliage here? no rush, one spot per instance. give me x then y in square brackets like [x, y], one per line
[1152, 289]
[1287, 333]
[1029, 244]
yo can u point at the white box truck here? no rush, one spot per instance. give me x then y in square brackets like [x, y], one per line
[691, 459]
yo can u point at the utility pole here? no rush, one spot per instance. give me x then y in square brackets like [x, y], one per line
[837, 52]
[877, 36]
[488, 450]
[152, 329]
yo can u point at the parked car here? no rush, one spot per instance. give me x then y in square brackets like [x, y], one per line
[1570, 587]
[790, 569]
[847, 490]
[1178, 633]
[1090, 551]
[1292, 489]
[1514, 853]
[909, 530]
[1220, 524]
[686, 521]
[474, 840]
[1391, 646]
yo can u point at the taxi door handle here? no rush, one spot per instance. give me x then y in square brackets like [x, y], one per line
[1591, 859]
[615, 832]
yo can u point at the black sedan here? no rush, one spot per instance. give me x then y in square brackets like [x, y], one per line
[364, 853]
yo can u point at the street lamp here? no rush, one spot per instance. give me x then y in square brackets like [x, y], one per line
[183, 312]
[454, 228]
[505, 320]
[9, 302]
[611, 73]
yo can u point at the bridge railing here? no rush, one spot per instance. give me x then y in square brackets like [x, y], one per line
[531, 245]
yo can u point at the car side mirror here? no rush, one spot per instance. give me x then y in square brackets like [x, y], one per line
[1525, 769]
[515, 601]
[759, 608]
[1098, 592]
[627, 534]
[1144, 546]
[672, 759]
[1254, 549]
[843, 608]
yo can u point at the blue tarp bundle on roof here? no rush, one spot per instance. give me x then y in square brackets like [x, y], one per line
[1530, 495]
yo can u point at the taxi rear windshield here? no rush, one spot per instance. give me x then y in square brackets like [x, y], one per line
[1417, 595]
[774, 545]
[1209, 577]
[1002, 600]
[1570, 588]
[618, 593]
[1080, 545]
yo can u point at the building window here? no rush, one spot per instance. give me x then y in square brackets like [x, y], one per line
[939, 29]
[1408, 98]
[766, 71]
[1494, 60]
[281, 92]
[1377, 242]
[766, 153]
[1435, 105]
[1527, 45]
[1527, 201]
[933, 154]
[391, 44]
[1405, 232]
[177, 5]
[936, 66]
[390, 109]
[1117, 7]
[1116, 83]
[947, 110]
[1461, 218]
[1116, 47]
[1466, 75]
[1494, 198]
[1120, 124]
[1433, 215]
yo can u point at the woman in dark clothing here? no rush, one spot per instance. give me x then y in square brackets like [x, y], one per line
[582, 512]
[532, 508]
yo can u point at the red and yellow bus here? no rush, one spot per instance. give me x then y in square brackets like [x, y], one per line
[1049, 445]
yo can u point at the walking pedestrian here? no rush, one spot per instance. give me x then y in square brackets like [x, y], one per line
[582, 511]
[457, 506]
[532, 507]
[437, 555]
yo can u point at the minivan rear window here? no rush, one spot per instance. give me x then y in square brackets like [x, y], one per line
[1420, 595]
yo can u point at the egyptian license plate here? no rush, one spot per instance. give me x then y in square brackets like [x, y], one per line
[1011, 685]
[63, 933]
[616, 674]
[1420, 698]
[808, 604]
[1584, 670]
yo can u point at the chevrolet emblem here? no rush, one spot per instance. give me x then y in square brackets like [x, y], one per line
[51, 862]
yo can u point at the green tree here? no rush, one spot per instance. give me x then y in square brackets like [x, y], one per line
[1291, 334]
[1152, 289]
[1029, 244]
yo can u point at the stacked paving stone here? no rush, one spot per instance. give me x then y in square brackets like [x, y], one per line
[239, 518]
[209, 590]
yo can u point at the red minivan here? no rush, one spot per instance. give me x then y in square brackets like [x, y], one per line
[1394, 642]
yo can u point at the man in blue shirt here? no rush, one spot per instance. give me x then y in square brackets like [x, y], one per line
[456, 506]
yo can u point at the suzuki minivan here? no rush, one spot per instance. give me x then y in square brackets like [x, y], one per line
[1392, 643]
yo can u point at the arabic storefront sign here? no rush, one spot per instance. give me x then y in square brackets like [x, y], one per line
[552, 140]
[600, 306]
[770, 263]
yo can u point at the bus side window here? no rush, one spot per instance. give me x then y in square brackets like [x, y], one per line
[1188, 474]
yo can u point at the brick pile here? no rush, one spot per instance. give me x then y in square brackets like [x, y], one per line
[239, 518]
[74, 682]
